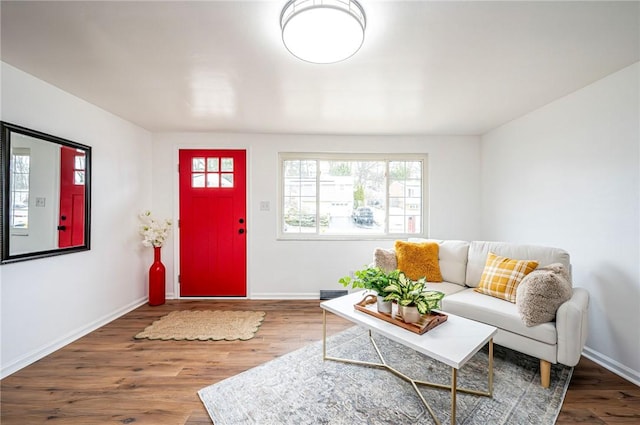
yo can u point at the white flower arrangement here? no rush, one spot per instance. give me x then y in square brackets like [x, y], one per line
[154, 232]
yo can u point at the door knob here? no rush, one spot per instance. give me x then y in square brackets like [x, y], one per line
[241, 231]
[63, 228]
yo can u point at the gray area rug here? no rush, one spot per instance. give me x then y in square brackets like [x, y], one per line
[301, 388]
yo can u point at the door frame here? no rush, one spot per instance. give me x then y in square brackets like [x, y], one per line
[176, 216]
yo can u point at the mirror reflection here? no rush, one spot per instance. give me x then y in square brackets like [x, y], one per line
[46, 194]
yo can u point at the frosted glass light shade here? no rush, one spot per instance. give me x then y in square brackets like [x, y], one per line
[323, 31]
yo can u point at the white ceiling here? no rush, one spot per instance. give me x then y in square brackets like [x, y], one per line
[425, 67]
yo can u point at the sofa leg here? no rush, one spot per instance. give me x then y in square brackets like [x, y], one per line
[545, 373]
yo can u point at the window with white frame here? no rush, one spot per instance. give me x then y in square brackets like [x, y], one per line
[19, 188]
[352, 195]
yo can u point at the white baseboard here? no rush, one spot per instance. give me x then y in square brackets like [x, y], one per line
[45, 350]
[608, 363]
[258, 296]
[285, 296]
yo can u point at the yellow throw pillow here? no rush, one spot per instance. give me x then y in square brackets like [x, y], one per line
[501, 276]
[418, 260]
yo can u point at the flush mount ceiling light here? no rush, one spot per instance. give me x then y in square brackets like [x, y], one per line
[322, 31]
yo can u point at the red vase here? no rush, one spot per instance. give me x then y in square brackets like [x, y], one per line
[156, 279]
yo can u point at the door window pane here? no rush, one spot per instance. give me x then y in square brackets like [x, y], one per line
[79, 162]
[213, 180]
[197, 180]
[78, 177]
[227, 164]
[197, 164]
[227, 179]
[212, 164]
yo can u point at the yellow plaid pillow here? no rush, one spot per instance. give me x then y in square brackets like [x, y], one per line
[501, 276]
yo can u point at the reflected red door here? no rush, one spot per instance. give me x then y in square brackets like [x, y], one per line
[72, 193]
[212, 223]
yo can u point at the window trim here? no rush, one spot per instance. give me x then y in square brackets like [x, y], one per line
[331, 156]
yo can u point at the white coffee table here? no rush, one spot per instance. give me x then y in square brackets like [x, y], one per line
[453, 343]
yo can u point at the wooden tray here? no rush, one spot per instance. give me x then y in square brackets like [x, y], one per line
[427, 321]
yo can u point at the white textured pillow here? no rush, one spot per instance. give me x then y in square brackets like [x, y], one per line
[541, 293]
[385, 259]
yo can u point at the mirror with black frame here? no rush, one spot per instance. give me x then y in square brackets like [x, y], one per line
[46, 194]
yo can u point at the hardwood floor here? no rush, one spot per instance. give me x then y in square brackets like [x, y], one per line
[108, 377]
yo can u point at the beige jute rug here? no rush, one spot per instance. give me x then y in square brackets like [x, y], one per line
[205, 325]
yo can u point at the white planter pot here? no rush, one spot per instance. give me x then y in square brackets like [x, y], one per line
[409, 314]
[384, 306]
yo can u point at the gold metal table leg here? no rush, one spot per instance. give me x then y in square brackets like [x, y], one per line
[324, 334]
[454, 386]
[491, 367]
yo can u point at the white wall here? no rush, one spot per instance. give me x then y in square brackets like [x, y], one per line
[567, 175]
[300, 269]
[47, 303]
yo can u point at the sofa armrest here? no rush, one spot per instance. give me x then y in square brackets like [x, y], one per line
[572, 327]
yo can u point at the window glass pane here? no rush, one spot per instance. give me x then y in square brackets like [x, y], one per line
[213, 180]
[396, 224]
[227, 164]
[212, 164]
[227, 180]
[19, 190]
[291, 168]
[197, 164]
[413, 224]
[20, 218]
[197, 180]
[20, 181]
[78, 178]
[308, 187]
[300, 178]
[412, 188]
[397, 170]
[352, 197]
[300, 168]
[414, 169]
[291, 188]
[79, 162]
[300, 215]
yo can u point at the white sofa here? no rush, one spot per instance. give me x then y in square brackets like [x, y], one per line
[461, 264]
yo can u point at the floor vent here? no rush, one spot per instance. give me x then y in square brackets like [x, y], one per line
[330, 294]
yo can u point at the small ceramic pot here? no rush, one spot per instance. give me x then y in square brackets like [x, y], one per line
[409, 314]
[384, 306]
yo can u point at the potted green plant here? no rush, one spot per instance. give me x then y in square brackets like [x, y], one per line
[376, 280]
[413, 301]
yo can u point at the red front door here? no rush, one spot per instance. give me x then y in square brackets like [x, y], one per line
[213, 223]
[72, 193]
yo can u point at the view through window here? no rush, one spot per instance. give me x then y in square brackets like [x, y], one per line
[19, 191]
[347, 195]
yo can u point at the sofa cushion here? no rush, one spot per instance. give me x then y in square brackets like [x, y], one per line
[541, 292]
[447, 288]
[417, 260]
[478, 251]
[385, 259]
[453, 258]
[496, 312]
[502, 275]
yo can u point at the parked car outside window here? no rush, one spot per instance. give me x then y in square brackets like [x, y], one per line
[363, 215]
